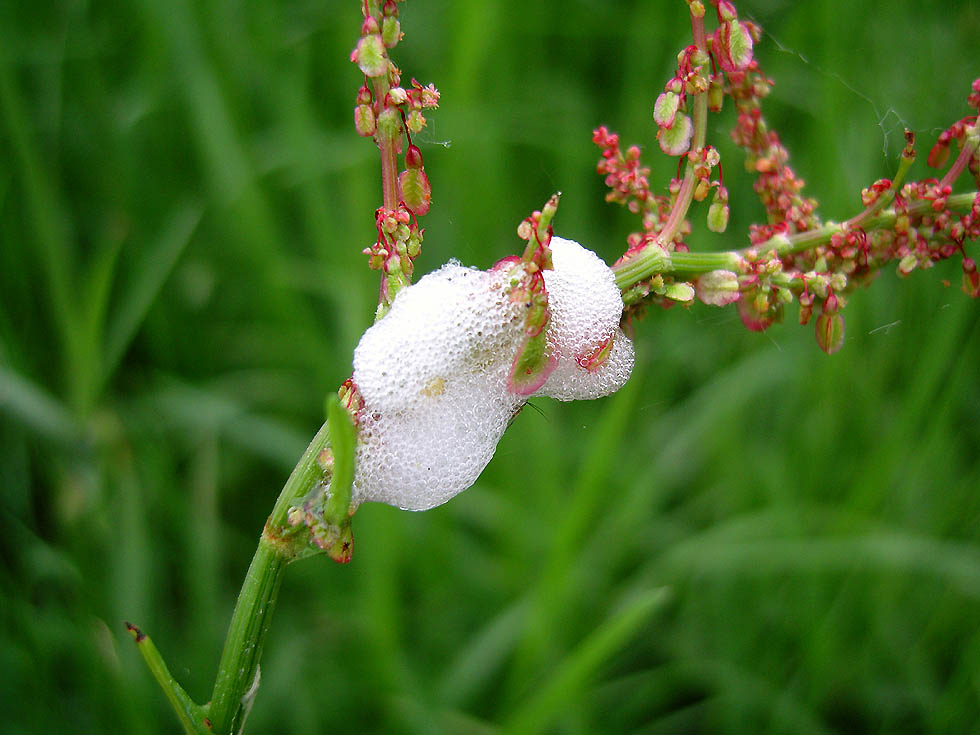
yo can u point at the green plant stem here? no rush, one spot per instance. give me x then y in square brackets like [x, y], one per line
[654, 260]
[246, 636]
[235, 683]
[304, 476]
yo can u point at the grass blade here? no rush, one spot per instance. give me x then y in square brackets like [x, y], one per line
[21, 398]
[155, 266]
[571, 675]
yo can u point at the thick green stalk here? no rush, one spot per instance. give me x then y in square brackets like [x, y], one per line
[238, 672]
[239, 669]
[653, 260]
[879, 221]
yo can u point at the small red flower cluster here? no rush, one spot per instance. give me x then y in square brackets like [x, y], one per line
[793, 255]
[629, 185]
[778, 186]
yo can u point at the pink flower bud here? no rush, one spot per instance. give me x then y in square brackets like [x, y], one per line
[806, 311]
[756, 313]
[974, 99]
[597, 358]
[830, 305]
[726, 11]
[525, 230]
[369, 26]
[413, 157]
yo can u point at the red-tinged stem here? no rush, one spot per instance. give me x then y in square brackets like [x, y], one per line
[886, 197]
[387, 146]
[700, 114]
[970, 142]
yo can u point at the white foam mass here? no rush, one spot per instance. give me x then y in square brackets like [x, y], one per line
[433, 372]
[585, 311]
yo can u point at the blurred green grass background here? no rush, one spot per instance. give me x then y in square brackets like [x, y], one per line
[751, 537]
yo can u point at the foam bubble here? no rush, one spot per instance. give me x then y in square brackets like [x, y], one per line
[433, 372]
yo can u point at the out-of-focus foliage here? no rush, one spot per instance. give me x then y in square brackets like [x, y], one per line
[751, 537]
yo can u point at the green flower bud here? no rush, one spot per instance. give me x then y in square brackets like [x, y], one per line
[665, 108]
[415, 121]
[830, 331]
[716, 94]
[740, 45]
[389, 124]
[682, 292]
[415, 189]
[718, 288]
[370, 56]
[391, 32]
[717, 217]
[676, 140]
[364, 121]
[532, 366]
